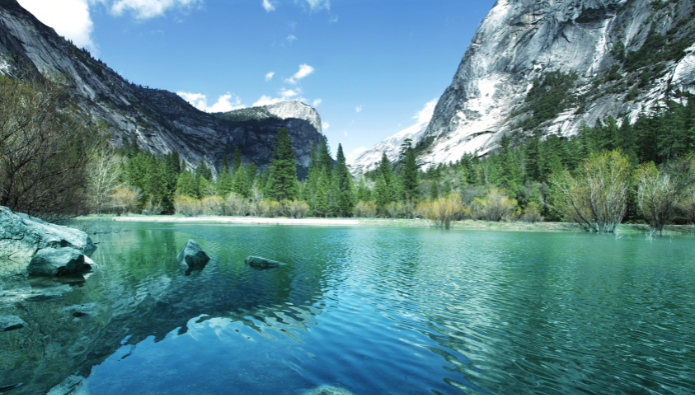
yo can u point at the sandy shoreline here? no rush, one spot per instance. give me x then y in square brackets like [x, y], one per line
[468, 224]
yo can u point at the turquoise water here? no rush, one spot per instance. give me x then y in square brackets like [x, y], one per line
[387, 311]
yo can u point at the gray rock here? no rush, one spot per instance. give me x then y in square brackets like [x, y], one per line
[57, 262]
[11, 322]
[520, 41]
[21, 236]
[328, 390]
[262, 263]
[81, 310]
[192, 257]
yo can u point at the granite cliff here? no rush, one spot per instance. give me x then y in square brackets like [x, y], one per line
[160, 121]
[614, 57]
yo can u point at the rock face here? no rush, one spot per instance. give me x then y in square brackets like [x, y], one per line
[160, 121]
[22, 236]
[54, 262]
[192, 257]
[10, 323]
[521, 40]
[262, 263]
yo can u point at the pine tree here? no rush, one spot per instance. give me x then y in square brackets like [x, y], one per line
[410, 180]
[155, 181]
[187, 185]
[385, 169]
[282, 184]
[322, 205]
[203, 171]
[381, 193]
[345, 188]
[241, 184]
[363, 193]
[396, 187]
[236, 160]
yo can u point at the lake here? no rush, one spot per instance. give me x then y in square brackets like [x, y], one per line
[365, 310]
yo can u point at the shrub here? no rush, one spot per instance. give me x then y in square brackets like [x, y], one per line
[212, 205]
[495, 206]
[124, 200]
[596, 198]
[296, 209]
[443, 211]
[236, 204]
[188, 206]
[365, 209]
[269, 208]
[532, 213]
[660, 191]
[393, 209]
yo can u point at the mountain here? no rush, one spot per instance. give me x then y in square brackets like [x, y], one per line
[160, 121]
[553, 65]
[369, 159]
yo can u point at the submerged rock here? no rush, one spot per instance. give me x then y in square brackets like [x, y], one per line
[328, 390]
[58, 262]
[81, 310]
[11, 322]
[192, 257]
[21, 236]
[262, 263]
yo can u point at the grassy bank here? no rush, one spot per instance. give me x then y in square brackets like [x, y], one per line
[383, 222]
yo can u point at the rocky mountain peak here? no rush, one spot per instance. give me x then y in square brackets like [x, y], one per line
[158, 120]
[595, 47]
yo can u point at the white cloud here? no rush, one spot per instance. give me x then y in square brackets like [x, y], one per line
[144, 9]
[355, 153]
[268, 6]
[304, 70]
[269, 76]
[316, 5]
[333, 19]
[325, 125]
[345, 133]
[266, 101]
[358, 109]
[316, 102]
[285, 94]
[291, 38]
[224, 103]
[425, 115]
[69, 18]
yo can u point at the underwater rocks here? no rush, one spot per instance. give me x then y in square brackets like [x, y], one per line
[192, 257]
[22, 236]
[262, 263]
[328, 390]
[10, 323]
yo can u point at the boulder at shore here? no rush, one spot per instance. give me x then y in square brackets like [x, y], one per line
[22, 236]
[192, 257]
[262, 263]
[58, 262]
[11, 322]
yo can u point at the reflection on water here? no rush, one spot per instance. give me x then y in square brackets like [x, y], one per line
[371, 310]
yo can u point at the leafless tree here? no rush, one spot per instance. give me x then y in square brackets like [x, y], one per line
[44, 150]
[103, 179]
[660, 190]
[596, 197]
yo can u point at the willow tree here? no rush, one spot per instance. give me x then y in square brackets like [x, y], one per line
[660, 190]
[596, 196]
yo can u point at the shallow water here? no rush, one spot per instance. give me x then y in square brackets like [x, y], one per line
[372, 311]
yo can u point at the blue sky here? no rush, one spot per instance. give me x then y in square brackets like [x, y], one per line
[369, 67]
